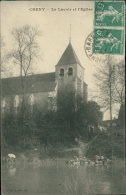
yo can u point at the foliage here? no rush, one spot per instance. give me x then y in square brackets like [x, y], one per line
[69, 121]
[93, 113]
[74, 115]
[32, 130]
[107, 143]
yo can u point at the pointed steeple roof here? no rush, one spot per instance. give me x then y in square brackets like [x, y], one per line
[69, 57]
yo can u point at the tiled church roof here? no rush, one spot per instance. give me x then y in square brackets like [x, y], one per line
[69, 57]
[34, 83]
[39, 82]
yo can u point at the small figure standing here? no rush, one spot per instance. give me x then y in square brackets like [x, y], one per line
[75, 158]
[11, 158]
[102, 157]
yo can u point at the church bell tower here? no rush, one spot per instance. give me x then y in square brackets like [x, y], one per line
[69, 70]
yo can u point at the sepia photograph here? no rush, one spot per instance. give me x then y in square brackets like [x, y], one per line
[62, 97]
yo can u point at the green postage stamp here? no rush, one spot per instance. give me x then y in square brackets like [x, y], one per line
[109, 13]
[108, 41]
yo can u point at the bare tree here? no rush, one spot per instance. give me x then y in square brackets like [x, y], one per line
[82, 148]
[110, 83]
[26, 50]
[4, 58]
[119, 84]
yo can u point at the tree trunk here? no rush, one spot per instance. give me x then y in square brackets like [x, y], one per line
[110, 79]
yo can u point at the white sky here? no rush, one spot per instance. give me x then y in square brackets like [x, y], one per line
[55, 26]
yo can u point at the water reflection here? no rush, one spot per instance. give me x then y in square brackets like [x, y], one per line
[60, 178]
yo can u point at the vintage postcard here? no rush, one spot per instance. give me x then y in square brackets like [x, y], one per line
[62, 97]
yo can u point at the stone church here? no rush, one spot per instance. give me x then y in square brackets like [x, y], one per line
[41, 89]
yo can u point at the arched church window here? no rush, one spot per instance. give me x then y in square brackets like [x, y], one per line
[16, 101]
[70, 71]
[61, 72]
[31, 102]
[31, 99]
[3, 103]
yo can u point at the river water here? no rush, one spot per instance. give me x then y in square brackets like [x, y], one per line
[57, 178]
